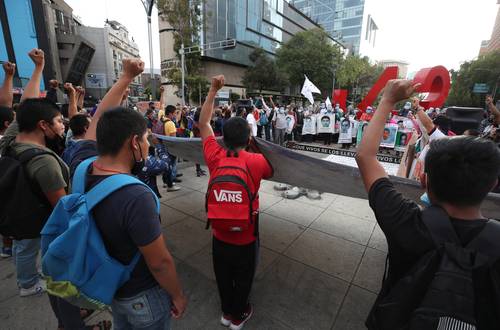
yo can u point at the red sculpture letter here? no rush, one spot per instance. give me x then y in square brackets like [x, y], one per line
[436, 82]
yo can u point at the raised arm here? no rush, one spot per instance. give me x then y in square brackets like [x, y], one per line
[112, 99]
[423, 116]
[32, 89]
[162, 98]
[208, 108]
[80, 96]
[72, 105]
[272, 103]
[6, 91]
[368, 164]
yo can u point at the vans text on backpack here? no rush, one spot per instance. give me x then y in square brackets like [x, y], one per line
[75, 262]
[229, 197]
[449, 287]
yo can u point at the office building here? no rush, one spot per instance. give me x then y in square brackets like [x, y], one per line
[348, 21]
[113, 44]
[50, 26]
[493, 43]
[259, 23]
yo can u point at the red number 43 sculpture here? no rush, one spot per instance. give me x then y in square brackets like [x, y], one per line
[435, 82]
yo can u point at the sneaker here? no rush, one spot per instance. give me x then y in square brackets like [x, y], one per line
[225, 320]
[36, 289]
[201, 173]
[6, 252]
[238, 324]
[177, 180]
[179, 175]
[165, 185]
[173, 188]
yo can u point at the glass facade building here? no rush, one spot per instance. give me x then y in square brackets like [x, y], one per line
[253, 23]
[342, 19]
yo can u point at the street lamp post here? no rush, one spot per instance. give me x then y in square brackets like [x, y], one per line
[148, 6]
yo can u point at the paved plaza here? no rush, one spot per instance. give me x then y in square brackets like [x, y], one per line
[321, 264]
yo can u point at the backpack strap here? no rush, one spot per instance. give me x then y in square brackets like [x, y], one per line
[487, 241]
[112, 184]
[439, 225]
[78, 184]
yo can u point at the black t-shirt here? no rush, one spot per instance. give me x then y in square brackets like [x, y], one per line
[407, 236]
[126, 219]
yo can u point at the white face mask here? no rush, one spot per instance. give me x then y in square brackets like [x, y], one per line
[281, 110]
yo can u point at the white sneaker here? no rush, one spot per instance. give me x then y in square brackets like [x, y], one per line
[225, 320]
[173, 188]
[239, 324]
[36, 289]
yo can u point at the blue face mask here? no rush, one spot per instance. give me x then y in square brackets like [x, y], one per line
[425, 200]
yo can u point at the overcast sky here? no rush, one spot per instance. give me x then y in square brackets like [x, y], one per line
[421, 32]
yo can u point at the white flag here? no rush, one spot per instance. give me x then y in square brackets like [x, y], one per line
[328, 103]
[308, 89]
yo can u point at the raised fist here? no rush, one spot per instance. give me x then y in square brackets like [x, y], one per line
[132, 67]
[69, 88]
[37, 56]
[80, 90]
[217, 82]
[162, 89]
[9, 68]
[54, 83]
[415, 102]
[399, 89]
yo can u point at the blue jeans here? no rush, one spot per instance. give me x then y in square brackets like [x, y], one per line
[25, 253]
[149, 310]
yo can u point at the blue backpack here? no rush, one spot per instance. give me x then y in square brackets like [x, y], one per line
[75, 262]
[263, 121]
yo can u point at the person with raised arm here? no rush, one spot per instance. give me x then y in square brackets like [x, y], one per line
[233, 204]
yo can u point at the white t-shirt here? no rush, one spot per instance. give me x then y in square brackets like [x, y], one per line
[280, 119]
[437, 134]
[253, 123]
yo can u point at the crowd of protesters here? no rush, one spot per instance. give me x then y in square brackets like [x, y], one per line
[457, 175]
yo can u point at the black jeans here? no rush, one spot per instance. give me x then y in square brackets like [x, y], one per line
[234, 267]
[267, 131]
[260, 128]
[68, 315]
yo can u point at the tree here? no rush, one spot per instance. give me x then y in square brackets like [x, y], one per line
[310, 53]
[486, 69]
[184, 16]
[263, 73]
[356, 74]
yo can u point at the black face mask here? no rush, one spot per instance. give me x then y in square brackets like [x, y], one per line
[138, 164]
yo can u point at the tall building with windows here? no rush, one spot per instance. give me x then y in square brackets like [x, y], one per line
[348, 21]
[256, 23]
[51, 26]
[493, 44]
[113, 44]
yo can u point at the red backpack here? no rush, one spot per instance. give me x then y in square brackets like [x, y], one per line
[229, 197]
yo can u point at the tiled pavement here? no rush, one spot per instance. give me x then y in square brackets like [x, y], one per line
[321, 264]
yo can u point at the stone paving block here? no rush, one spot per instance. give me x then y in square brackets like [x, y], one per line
[266, 259]
[186, 237]
[8, 286]
[344, 226]
[294, 211]
[325, 201]
[267, 200]
[268, 187]
[277, 234]
[353, 206]
[169, 195]
[299, 296]
[371, 270]
[355, 309]
[169, 216]
[332, 255]
[201, 215]
[378, 240]
[27, 313]
[191, 203]
[203, 311]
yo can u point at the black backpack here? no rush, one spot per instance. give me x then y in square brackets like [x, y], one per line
[450, 287]
[24, 208]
